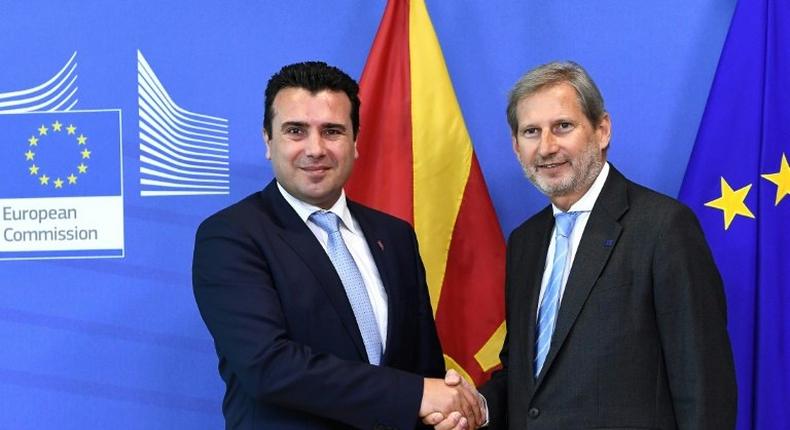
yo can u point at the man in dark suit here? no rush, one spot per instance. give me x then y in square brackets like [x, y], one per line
[615, 312]
[318, 305]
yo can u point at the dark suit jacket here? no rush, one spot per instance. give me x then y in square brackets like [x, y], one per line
[640, 340]
[289, 347]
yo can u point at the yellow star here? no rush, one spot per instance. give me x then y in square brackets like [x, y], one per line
[85, 153]
[56, 125]
[72, 179]
[82, 168]
[42, 131]
[82, 139]
[44, 179]
[33, 141]
[58, 183]
[731, 202]
[33, 169]
[29, 155]
[781, 179]
[71, 129]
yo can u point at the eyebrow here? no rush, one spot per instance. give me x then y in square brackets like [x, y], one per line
[527, 126]
[334, 126]
[565, 119]
[305, 125]
[553, 122]
[293, 124]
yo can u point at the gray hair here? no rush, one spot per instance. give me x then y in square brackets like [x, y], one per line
[554, 73]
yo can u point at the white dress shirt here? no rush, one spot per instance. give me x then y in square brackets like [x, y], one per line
[584, 206]
[355, 241]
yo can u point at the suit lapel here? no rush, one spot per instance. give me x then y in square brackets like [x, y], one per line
[527, 275]
[301, 240]
[598, 240]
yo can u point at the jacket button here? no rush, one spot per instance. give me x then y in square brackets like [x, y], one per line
[534, 412]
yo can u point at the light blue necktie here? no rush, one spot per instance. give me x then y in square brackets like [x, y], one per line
[547, 314]
[352, 282]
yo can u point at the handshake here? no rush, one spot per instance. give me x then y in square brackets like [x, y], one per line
[452, 403]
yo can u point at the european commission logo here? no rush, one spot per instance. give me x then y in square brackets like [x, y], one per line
[61, 194]
[181, 152]
[44, 140]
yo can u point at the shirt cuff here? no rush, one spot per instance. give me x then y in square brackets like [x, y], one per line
[484, 409]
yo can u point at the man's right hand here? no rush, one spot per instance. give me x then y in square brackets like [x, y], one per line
[455, 421]
[443, 397]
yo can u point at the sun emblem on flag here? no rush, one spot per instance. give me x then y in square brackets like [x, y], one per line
[44, 138]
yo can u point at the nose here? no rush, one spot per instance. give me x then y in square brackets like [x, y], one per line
[547, 145]
[314, 145]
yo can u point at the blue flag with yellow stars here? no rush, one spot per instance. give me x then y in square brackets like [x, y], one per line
[60, 154]
[738, 183]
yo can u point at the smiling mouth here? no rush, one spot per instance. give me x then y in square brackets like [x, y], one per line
[551, 165]
[314, 169]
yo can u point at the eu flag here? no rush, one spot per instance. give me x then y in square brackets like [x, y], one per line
[60, 154]
[738, 183]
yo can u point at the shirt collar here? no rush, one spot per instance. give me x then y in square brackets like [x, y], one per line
[586, 203]
[304, 209]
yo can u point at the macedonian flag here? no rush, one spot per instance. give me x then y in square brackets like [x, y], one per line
[417, 163]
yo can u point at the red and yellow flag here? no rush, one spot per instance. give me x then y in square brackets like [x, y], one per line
[416, 162]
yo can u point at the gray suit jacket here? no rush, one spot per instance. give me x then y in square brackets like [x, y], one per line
[640, 340]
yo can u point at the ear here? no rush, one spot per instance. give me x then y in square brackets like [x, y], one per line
[356, 150]
[604, 131]
[514, 140]
[266, 140]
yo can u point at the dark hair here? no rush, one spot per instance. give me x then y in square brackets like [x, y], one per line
[554, 73]
[313, 76]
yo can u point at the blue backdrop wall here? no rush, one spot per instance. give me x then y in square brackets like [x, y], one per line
[116, 341]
